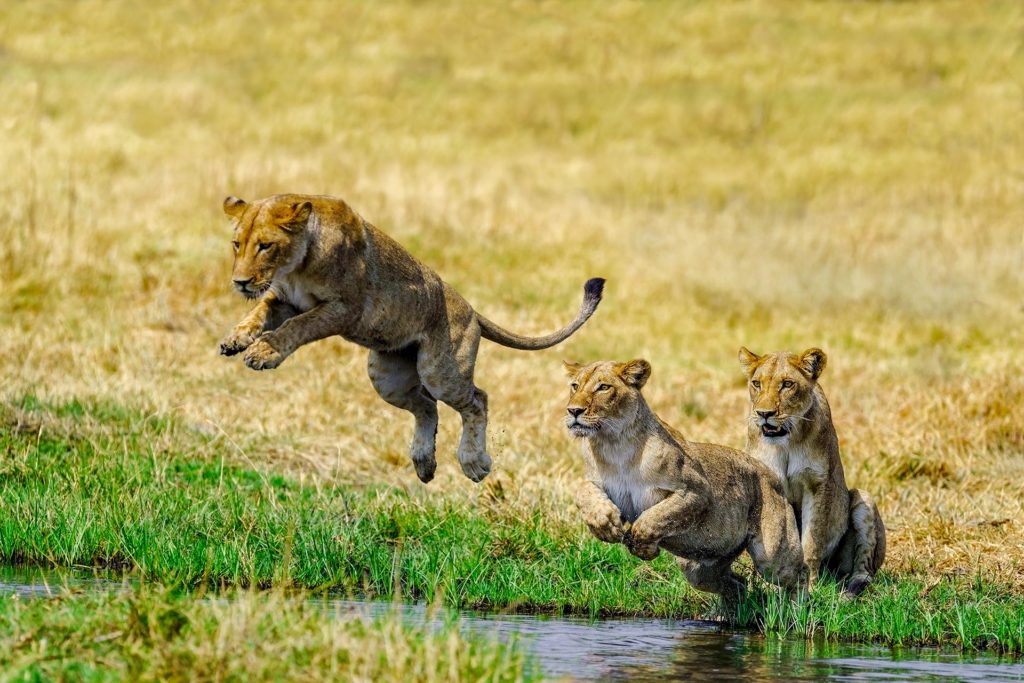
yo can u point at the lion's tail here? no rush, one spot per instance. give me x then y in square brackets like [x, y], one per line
[591, 298]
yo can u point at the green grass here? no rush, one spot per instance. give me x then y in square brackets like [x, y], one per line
[187, 515]
[108, 499]
[971, 615]
[152, 634]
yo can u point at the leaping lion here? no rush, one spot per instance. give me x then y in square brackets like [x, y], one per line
[319, 269]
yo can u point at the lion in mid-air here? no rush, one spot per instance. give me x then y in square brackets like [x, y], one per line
[648, 487]
[318, 269]
[790, 430]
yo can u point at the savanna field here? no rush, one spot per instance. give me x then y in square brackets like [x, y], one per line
[775, 175]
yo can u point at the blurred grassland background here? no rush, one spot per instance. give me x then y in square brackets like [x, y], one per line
[775, 174]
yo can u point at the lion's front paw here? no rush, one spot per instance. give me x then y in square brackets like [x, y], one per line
[239, 340]
[605, 524]
[262, 356]
[641, 544]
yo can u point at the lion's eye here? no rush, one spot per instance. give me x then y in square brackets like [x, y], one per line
[574, 387]
[236, 245]
[604, 387]
[263, 246]
[788, 384]
[756, 384]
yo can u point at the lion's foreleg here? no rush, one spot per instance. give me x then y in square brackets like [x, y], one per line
[814, 517]
[671, 517]
[600, 514]
[273, 347]
[268, 314]
[280, 312]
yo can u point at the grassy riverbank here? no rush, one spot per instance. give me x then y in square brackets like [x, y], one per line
[831, 174]
[146, 494]
[149, 634]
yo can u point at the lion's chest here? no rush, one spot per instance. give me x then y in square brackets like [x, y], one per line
[623, 481]
[800, 472]
[296, 293]
[630, 495]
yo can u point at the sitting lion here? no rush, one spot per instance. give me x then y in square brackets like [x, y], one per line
[790, 430]
[650, 488]
[318, 269]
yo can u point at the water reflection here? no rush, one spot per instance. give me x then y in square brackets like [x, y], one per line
[750, 657]
[671, 650]
[33, 582]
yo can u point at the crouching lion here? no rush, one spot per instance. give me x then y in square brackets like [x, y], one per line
[650, 488]
[318, 269]
[790, 430]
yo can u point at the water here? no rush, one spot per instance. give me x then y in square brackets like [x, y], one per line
[635, 649]
[34, 582]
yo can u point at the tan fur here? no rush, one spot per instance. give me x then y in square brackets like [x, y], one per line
[790, 430]
[650, 488]
[318, 269]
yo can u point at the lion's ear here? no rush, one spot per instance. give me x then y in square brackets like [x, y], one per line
[293, 217]
[572, 369]
[234, 207]
[635, 373]
[748, 360]
[812, 361]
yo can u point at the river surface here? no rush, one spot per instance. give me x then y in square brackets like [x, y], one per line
[633, 649]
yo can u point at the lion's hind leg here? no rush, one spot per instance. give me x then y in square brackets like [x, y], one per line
[862, 549]
[775, 547]
[445, 365]
[715, 576]
[394, 376]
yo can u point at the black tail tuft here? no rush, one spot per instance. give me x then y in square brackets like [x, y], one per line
[593, 289]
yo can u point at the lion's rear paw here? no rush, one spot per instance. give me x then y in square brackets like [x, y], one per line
[856, 585]
[421, 451]
[425, 469]
[477, 468]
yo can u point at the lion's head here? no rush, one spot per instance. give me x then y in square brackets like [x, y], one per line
[604, 396]
[781, 388]
[269, 240]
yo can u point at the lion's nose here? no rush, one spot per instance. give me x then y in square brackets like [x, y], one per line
[765, 414]
[575, 412]
[242, 284]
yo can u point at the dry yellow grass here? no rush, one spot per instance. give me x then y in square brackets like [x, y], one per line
[780, 175]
